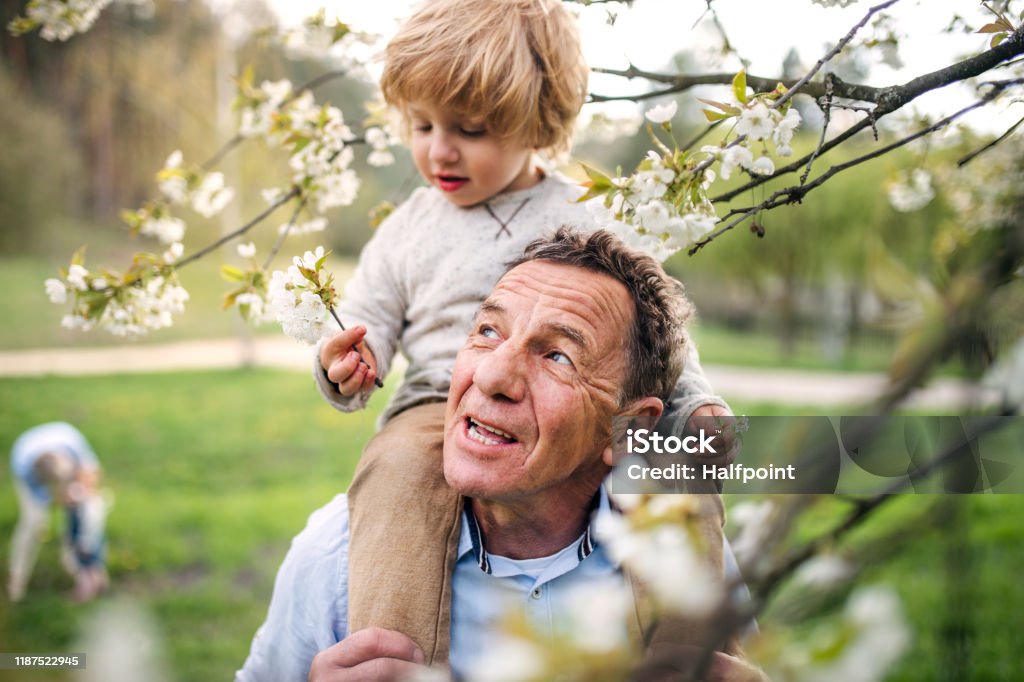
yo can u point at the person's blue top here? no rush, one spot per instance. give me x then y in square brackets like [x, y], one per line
[51, 437]
[309, 610]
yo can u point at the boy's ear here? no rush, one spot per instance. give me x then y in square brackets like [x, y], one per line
[642, 411]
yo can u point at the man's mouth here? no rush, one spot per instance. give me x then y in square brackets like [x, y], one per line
[487, 434]
[450, 183]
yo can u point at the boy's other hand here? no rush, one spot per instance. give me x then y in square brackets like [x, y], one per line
[342, 364]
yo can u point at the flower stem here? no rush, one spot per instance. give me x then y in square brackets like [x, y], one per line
[376, 380]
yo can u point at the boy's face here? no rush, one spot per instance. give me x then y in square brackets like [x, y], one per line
[467, 162]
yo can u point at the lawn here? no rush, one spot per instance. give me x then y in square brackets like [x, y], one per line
[214, 472]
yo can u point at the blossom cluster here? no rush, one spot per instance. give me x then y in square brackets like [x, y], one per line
[656, 538]
[315, 136]
[58, 19]
[144, 298]
[862, 646]
[663, 205]
[204, 192]
[300, 298]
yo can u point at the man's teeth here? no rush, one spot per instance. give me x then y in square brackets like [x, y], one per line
[478, 432]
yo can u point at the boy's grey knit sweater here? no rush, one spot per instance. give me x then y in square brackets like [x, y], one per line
[429, 266]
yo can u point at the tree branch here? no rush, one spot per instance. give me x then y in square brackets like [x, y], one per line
[796, 193]
[895, 97]
[831, 53]
[970, 157]
[294, 192]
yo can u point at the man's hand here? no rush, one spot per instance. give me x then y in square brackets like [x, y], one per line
[720, 421]
[342, 363]
[370, 654]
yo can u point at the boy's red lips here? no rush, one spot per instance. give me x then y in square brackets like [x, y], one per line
[450, 183]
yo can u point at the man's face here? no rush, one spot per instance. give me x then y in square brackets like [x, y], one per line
[537, 383]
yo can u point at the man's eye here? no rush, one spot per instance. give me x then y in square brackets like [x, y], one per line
[489, 332]
[560, 357]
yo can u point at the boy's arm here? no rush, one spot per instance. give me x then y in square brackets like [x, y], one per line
[693, 397]
[374, 298]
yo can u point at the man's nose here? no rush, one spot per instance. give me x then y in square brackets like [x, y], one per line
[443, 148]
[500, 373]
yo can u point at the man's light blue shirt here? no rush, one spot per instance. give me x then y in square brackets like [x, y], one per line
[309, 609]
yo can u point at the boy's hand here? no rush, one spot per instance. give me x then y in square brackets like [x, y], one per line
[720, 421]
[342, 364]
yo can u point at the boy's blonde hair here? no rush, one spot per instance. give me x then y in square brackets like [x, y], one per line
[517, 63]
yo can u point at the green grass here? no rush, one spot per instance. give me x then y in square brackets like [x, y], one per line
[214, 472]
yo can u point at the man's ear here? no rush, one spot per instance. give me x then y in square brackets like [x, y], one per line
[647, 409]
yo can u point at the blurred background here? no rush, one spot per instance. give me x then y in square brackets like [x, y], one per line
[217, 446]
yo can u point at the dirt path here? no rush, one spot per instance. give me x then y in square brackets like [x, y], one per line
[737, 383]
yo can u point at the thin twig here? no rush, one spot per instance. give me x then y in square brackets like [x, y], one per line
[700, 136]
[239, 232]
[832, 53]
[284, 233]
[970, 157]
[827, 109]
[376, 380]
[594, 98]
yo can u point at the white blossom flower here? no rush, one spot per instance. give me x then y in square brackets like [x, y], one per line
[597, 616]
[736, 155]
[824, 571]
[784, 130]
[509, 659]
[379, 158]
[755, 122]
[174, 160]
[913, 195]
[174, 188]
[653, 215]
[252, 306]
[247, 250]
[61, 20]
[293, 303]
[211, 196]
[167, 229]
[56, 291]
[873, 639]
[665, 559]
[99, 284]
[76, 277]
[174, 252]
[754, 520]
[272, 195]
[763, 166]
[662, 113]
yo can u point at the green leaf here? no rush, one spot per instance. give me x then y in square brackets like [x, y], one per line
[996, 39]
[231, 296]
[320, 261]
[739, 87]
[991, 28]
[598, 179]
[713, 116]
[231, 274]
[721, 106]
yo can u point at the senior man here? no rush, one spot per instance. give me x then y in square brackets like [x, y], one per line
[581, 330]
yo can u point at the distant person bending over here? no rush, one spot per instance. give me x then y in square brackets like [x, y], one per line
[53, 463]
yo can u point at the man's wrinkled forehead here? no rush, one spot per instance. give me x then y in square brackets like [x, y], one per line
[582, 301]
